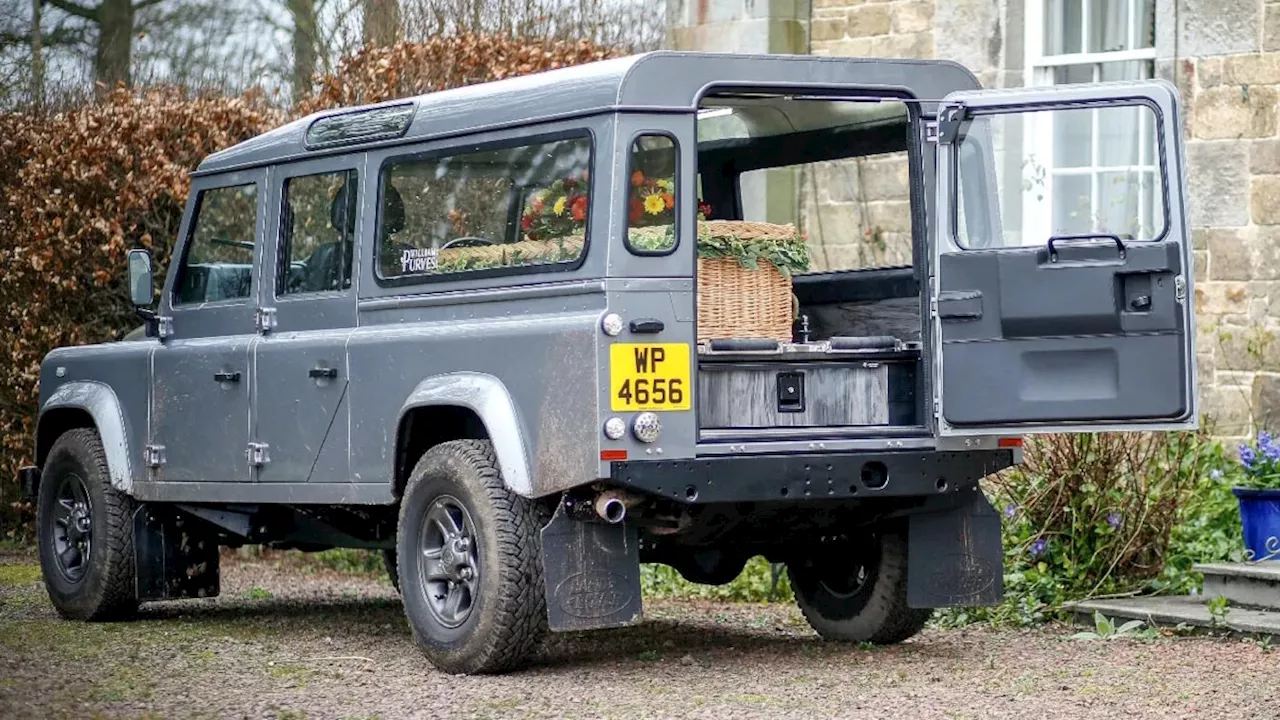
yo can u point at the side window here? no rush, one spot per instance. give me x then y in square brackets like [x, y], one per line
[651, 195]
[317, 232]
[218, 262]
[502, 208]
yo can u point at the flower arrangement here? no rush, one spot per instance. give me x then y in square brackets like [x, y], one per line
[1260, 461]
[652, 201]
[557, 211]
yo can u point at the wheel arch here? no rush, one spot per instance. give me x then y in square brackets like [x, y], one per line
[462, 405]
[88, 404]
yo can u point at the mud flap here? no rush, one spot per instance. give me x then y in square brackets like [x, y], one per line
[592, 573]
[954, 557]
[176, 557]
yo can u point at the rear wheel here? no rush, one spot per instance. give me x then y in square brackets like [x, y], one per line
[85, 531]
[857, 592]
[469, 560]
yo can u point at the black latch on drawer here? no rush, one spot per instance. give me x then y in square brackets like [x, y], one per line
[790, 392]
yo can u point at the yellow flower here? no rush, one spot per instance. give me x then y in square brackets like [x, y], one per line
[654, 204]
[666, 185]
[558, 208]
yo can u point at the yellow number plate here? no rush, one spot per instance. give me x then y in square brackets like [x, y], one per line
[649, 376]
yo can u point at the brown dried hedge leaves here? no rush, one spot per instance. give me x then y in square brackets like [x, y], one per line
[79, 188]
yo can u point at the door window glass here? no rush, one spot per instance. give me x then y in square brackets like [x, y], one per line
[218, 262]
[1112, 184]
[651, 195]
[512, 207]
[317, 231]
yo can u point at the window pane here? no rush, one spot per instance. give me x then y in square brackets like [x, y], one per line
[651, 199]
[1062, 26]
[317, 230]
[218, 264]
[508, 207]
[1145, 13]
[1108, 25]
[1120, 193]
[1072, 138]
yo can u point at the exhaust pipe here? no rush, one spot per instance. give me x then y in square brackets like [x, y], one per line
[610, 508]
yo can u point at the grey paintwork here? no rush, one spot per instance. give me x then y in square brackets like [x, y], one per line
[525, 352]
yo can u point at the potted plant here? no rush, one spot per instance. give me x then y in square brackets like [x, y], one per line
[1259, 497]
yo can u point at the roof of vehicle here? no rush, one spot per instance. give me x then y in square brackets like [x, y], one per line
[664, 80]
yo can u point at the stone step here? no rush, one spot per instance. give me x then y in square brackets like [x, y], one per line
[1180, 609]
[1254, 585]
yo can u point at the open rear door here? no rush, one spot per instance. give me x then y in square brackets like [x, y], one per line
[1062, 262]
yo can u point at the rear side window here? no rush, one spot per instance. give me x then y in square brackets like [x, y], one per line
[506, 208]
[317, 229]
[218, 262]
[651, 195]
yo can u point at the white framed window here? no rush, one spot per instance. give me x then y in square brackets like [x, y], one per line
[1091, 171]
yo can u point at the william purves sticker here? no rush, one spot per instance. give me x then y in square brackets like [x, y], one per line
[418, 260]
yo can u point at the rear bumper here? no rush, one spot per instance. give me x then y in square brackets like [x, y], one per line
[29, 481]
[815, 476]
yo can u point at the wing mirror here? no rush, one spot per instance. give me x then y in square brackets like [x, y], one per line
[141, 280]
[142, 288]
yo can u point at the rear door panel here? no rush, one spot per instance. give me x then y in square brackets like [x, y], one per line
[1036, 330]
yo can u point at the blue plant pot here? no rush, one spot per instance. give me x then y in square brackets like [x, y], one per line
[1260, 515]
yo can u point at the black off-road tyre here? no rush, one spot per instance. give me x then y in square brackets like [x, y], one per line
[506, 616]
[840, 607]
[103, 585]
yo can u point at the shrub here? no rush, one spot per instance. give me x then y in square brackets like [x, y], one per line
[759, 582]
[1095, 514]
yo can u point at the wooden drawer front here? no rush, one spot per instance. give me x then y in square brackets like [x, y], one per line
[834, 395]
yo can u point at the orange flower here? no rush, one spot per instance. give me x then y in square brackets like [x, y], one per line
[578, 208]
[668, 200]
[637, 179]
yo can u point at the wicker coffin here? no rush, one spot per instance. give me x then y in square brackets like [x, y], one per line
[733, 301]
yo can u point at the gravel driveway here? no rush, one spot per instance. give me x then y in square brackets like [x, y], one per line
[282, 643]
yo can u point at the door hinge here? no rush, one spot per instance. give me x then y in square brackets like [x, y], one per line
[164, 326]
[264, 319]
[1179, 288]
[153, 455]
[931, 132]
[256, 454]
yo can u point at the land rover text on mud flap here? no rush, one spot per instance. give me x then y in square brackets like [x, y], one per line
[526, 335]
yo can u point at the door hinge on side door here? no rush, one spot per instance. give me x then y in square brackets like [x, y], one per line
[153, 455]
[256, 454]
[264, 319]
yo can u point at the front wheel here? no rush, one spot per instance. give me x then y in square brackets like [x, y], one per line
[470, 567]
[85, 531]
[858, 592]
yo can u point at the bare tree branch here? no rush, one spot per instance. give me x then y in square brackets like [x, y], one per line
[71, 8]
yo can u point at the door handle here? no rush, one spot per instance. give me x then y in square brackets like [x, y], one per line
[229, 377]
[323, 373]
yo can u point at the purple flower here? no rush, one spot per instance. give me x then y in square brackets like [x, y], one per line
[1010, 510]
[1113, 519]
[1038, 547]
[1248, 457]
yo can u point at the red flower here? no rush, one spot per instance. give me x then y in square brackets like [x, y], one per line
[637, 179]
[636, 211]
[578, 208]
[704, 209]
[526, 222]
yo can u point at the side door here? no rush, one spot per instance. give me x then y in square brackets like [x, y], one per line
[1062, 264]
[199, 425]
[300, 405]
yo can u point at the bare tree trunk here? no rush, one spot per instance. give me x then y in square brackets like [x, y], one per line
[381, 22]
[115, 42]
[37, 55]
[304, 45]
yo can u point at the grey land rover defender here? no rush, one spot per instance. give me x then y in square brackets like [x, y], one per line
[367, 340]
